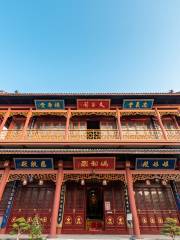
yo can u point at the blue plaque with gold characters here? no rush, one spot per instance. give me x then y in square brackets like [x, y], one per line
[33, 163]
[155, 163]
[138, 103]
[49, 104]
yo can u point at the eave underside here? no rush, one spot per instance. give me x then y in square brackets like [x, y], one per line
[89, 151]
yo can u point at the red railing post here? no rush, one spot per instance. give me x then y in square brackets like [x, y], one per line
[161, 124]
[67, 123]
[6, 116]
[176, 123]
[29, 115]
[119, 123]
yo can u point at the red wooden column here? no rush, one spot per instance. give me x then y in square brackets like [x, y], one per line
[29, 115]
[55, 210]
[4, 179]
[161, 124]
[7, 114]
[67, 123]
[132, 201]
[119, 123]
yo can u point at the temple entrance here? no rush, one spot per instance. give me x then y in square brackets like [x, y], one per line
[94, 203]
[94, 208]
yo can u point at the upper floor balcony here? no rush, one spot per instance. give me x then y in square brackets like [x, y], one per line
[78, 127]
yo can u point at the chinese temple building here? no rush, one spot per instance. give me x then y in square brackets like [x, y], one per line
[90, 163]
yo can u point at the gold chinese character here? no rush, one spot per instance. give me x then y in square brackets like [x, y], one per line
[165, 164]
[93, 104]
[130, 104]
[50, 105]
[24, 164]
[145, 164]
[155, 164]
[85, 104]
[101, 105]
[43, 164]
[137, 104]
[84, 163]
[94, 163]
[57, 104]
[33, 164]
[104, 163]
[42, 105]
[144, 105]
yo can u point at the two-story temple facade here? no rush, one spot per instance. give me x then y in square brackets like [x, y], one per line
[90, 163]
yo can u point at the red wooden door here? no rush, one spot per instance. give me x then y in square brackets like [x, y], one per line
[154, 203]
[31, 200]
[114, 209]
[74, 212]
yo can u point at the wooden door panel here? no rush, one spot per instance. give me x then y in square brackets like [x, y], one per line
[74, 211]
[155, 203]
[28, 203]
[114, 211]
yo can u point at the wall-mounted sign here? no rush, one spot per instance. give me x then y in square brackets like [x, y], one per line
[94, 162]
[138, 103]
[155, 163]
[61, 205]
[93, 104]
[9, 206]
[107, 206]
[49, 104]
[33, 163]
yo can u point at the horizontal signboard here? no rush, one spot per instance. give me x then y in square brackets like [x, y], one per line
[33, 163]
[93, 104]
[138, 103]
[49, 104]
[94, 163]
[155, 163]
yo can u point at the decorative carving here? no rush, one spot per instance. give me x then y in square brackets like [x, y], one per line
[55, 113]
[78, 220]
[21, 177]
[152, 220]
[144, 220]
[136, 112]
[120, 220]
[108, 177]
[160, 220]
[18, 114]
[68, 220]
[110, 220]
[97, 113]
[165, 176]
[169, 112]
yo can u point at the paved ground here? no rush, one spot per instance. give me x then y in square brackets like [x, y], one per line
[95, 237]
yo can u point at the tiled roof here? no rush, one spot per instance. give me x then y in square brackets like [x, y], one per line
[91, 94]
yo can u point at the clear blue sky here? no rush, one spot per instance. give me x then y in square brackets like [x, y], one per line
[89, 45]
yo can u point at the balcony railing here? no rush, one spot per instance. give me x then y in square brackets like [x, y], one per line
[92, 135]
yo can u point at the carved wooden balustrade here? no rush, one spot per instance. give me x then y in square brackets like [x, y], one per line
[49, 135]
